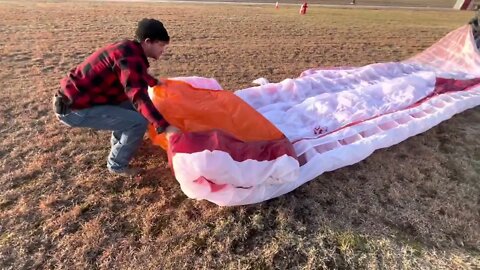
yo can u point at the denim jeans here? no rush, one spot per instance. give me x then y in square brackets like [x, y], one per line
[127, 125]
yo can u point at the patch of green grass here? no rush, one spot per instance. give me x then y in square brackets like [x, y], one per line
[349, 242]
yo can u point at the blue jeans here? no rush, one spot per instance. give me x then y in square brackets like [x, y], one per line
[128, 127]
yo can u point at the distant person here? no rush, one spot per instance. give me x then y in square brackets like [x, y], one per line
[353, 2]
[474, 22]
[303, 8]
[108, 91]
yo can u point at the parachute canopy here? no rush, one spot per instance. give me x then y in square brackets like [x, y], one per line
[261, 142]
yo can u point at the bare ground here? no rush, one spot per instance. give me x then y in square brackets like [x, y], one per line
[415, 205]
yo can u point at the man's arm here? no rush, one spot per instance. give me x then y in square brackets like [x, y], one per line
[135, 79]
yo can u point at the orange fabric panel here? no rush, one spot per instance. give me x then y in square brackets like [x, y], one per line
[193, 109]
[157, 139]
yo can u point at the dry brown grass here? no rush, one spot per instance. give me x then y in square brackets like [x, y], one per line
[359, 3]
[414, 205]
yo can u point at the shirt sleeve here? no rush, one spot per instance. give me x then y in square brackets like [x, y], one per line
[135, 80]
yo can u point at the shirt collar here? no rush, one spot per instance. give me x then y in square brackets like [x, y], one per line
[142, 52]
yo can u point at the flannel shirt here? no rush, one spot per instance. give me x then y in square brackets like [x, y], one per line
[110, 76]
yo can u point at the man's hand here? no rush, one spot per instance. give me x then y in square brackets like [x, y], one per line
[170, 131]
[160, 130]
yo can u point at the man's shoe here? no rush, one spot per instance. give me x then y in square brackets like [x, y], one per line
[127, 172]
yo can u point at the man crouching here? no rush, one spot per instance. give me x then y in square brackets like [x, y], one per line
[109, 91]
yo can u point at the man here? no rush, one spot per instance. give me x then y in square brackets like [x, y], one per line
[476, 28]
[108, 91]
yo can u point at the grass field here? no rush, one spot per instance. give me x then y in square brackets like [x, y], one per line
[415, 205]
[388, 3]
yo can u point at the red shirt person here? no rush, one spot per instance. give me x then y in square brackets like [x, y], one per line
[303, 8]
[109, 91]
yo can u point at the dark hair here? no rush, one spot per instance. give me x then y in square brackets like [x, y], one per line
[152, 29]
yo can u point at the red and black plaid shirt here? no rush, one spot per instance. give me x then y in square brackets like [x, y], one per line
[111, 75]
